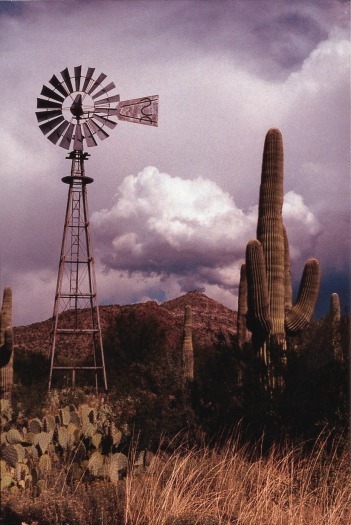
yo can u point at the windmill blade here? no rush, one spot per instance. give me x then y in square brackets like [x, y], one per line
[97, 82]
[51, 124]
[88, 136]
[105, 121]
[67, 79]
[88, 78]
[45, 104]
[102, 134]
[104, 90]
[47, 92]
[46, 115]
[54, 81]
[67, 137]
[77, 76]
[107, 111]
[107, 100]
[78, 138]
[99, 131]
[57, 133]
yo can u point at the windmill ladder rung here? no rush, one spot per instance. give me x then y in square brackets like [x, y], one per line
[80, 295]
[77, 331]
[80, 261]
[77, 368]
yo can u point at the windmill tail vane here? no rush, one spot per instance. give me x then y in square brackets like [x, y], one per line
[79, 108]
[140, 110]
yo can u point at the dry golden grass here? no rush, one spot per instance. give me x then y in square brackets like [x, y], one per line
[204, 487]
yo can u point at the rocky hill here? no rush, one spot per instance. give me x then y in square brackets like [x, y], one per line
[212, 322]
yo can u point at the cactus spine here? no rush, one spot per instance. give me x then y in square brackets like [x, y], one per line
[271, 314]
[6, 345]
[187, 347]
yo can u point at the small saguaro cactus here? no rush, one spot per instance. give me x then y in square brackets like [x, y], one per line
[6, 344]
[187, 347]
[335, 321]
[271, 314]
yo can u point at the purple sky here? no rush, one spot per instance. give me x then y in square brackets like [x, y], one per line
[173, 207]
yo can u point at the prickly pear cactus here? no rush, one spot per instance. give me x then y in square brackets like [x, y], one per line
[271, 314]
[118, 463]
[6, 345]
[43, 440]
[34, 426]
[14, 437]
[88, 445]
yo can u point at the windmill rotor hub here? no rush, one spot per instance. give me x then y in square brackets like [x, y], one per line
[78, 109]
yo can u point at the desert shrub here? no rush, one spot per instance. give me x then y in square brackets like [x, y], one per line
[316, 393]
[31, 373]
[315, 397]
[229, 389]
[144, 375]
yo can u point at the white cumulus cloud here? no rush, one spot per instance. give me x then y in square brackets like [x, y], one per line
[188, 232]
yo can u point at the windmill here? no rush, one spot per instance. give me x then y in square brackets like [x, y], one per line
[74, 112]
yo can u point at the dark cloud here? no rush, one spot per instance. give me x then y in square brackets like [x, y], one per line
[272, 38]
[289, 39]
[8, 7]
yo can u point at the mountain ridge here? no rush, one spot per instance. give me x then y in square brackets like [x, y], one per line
[212, 321]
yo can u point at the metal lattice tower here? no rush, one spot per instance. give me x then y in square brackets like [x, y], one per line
[77, 110]
[76, 284]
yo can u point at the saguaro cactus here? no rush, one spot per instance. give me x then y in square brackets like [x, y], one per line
[271, 314]
[6, 344]
[335, 320]
[187, 347]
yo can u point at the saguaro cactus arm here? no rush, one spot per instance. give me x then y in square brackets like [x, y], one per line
[258, 319]
[287, 273]
[242, 307]
[335, 307]
[300, 314]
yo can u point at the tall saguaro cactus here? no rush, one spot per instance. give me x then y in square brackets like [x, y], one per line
[271, 314]
[6, 344]
[187, 347]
